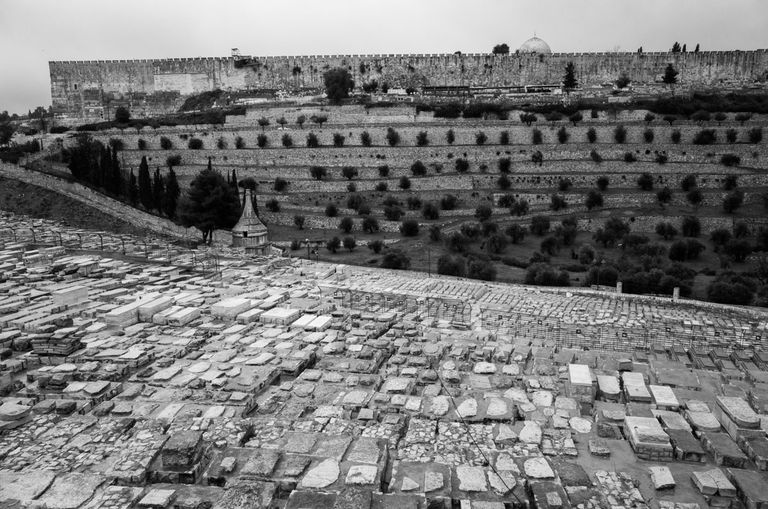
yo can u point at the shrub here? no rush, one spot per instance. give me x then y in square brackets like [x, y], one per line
[239, 143]
[354, 201]
[165, 143]
[370, 225]
[450, 136]
[688, 182]
[376, 246]
[348, 172]
[519, 208]
[221, 143]
[730, 182]
[528, 118]
[742, 117]
[409, 228]
[720, 237]
[481, 269]
[312, 141]
[596, 157]
[755, 135]
[383, 170]
[731, 135]
[694, 196]
[629, 157]
[684, 250]
[564, 184]
[701, 116]
[280, 184]
[483, 212]
[648, 135]
[413, 202]
[553, 116]
[705, 137]
[662, 158]
[620, 134]
[430, 211]
[365, 139]
[480, 138]
[730, 160]
[346, 224]
[557, 202]
[664, 196]
[435, 235]
[575, 118]
[393, 212]
[562, 135]
[318, 172]
[448, 202]
[542, 274]
[691, 226]
[262, 140]
[462, 165]
[298, 221]
[287, 141]
[331, 210]
[122, 115]
[591, 135]
[503, 182]
[733, 201]
[142, 144]
[536, 137]
[675, 136]
[516, 233]
[173, 160]
[540, 225]
[273, 205]
[338, 140]
[738, 249]
[349, 243]
[418, 169]
[452, 265]
[504, 138]
[295, 245]
[395, 259]
[364, 210]
[393, 138]
[741, 230]
[594, 199]
[405, 183]
[666, 230]
[645, 182]
[649, 117]
[333, 245]
[505, 164]
[195, 144]
[602, 183]
[351, 187]
[669, 118]
[381, 187]
[537, 157]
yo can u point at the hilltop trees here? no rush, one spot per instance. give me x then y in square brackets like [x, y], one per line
[501, 49]
[569, 78]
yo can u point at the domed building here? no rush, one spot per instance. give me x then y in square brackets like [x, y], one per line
[535, 45]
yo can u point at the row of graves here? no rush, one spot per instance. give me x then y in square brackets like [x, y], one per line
[130, 384]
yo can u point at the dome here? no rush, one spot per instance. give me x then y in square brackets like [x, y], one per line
[535, 45]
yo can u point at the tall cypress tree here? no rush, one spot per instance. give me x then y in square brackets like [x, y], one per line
[172, 192]
[116, 179]
[145, 184]
[158, 191]
[133, 189]
[234, 184]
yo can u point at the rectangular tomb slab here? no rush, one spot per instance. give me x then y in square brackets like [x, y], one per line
[739, 411]
[280, 316]
[664, 397]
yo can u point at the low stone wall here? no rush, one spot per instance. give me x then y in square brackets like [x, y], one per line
[99, 201]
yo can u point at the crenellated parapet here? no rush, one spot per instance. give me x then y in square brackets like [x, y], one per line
[92, 88]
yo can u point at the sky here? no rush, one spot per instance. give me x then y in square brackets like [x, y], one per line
[33, 32]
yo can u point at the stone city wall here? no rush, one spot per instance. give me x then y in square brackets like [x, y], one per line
[92, 88]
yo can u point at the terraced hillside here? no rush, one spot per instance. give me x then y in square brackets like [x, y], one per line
[402, 166]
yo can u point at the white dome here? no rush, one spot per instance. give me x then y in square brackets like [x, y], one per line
[535, 45]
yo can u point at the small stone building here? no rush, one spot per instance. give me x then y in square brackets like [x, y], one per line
[250, 233]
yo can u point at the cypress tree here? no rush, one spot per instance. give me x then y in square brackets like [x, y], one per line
[133, 189]
[210, 166]
[116, 178]
[145, 184]
[158, 191]
[172, 192]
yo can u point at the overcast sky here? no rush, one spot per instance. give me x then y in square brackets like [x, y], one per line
[32, 32]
